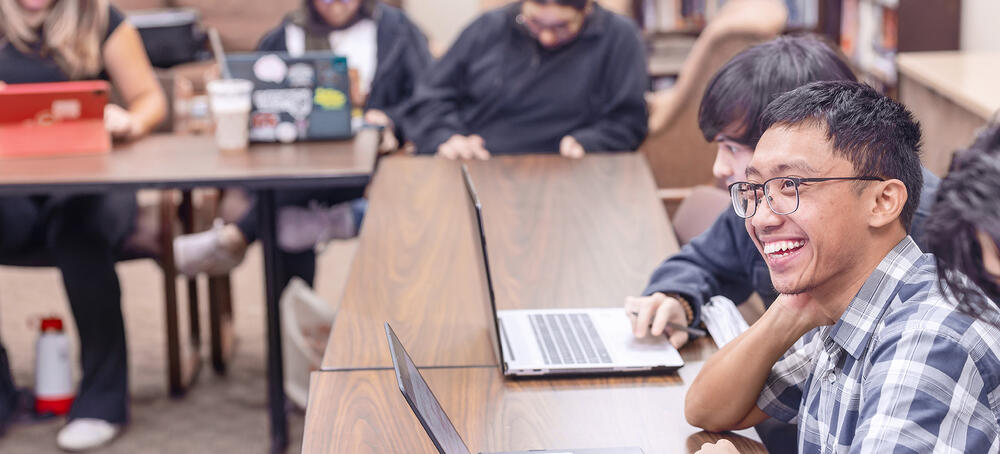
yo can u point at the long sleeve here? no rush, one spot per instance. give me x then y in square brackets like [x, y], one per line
[717, 262]
[432, 115]
[415, 60]
[623, 124]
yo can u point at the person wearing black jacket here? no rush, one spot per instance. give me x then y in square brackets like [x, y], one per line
[385, 53]
[724, 260]
[535, 76]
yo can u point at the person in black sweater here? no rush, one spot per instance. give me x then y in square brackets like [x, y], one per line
[535, 76]
[57, 41]
[386, 52]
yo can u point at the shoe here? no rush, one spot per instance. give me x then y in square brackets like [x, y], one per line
[207, 252]
[301, 229]
[86, 433]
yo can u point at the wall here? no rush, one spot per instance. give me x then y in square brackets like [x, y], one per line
[979, 21]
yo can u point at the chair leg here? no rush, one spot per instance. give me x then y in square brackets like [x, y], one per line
[221, 322]
[192, 361]
[174, 372]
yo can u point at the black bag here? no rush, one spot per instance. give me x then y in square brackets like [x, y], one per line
[170, 36]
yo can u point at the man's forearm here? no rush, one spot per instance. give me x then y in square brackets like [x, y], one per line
[726, 390]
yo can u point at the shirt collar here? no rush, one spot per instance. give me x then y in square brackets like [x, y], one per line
[856, 326]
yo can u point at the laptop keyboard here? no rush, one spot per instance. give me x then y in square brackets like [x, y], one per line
[568, 339]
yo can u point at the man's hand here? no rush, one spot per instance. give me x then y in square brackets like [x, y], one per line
[804, 309]
[120, 123]
[650, 314]
[464, 147]
[570, 148]
[389, 143]
[721, 447]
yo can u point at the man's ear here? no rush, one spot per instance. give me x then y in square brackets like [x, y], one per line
[889, 198]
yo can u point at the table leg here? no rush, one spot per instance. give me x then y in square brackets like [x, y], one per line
[266, 223]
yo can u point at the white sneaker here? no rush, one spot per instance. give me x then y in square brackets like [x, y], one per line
[86, 433]
[204, 252]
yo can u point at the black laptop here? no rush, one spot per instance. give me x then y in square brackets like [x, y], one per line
[433, 418]
[307, 97]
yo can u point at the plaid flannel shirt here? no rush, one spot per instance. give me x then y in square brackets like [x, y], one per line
[902, 371]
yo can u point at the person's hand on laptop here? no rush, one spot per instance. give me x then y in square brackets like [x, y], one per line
[650, 314]
[464, 147]
[570, 148]
[120, 123]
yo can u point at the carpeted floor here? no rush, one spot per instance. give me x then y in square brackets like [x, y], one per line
[222, 414]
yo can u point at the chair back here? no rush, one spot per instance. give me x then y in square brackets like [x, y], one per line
[677, 152]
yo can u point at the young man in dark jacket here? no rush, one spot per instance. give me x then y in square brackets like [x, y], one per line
[535, 76]
[723, 260]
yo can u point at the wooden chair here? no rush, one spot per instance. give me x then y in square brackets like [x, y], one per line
[678, 154]
[183, 361]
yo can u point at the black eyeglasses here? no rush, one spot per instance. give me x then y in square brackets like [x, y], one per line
[781, 193]
[563, 31]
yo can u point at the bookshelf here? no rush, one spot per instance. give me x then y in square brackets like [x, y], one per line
[690, 16]
[872, 32]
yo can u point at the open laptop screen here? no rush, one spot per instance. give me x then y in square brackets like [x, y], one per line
[476, 214]
[422, 401]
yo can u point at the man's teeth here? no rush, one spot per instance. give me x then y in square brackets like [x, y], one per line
[781, 246]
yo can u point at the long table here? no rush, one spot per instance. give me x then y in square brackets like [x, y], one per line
[560, 233]
[171, 161]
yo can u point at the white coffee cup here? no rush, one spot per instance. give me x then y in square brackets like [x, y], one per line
[230, 103]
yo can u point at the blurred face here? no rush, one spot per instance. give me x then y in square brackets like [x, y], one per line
[337, 13]
[819, 244]
[551, 24]
[991, 256]
[731, 159]
[35, 5]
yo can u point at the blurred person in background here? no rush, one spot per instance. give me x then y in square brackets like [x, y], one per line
[387, 52]
[56, 41]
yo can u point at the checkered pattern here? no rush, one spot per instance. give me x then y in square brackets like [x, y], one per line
[901, 371]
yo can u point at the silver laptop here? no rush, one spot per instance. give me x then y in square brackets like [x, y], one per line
[433, 418]
[565, 341]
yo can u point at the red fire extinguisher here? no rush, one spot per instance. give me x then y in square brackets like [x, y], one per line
[53, 372]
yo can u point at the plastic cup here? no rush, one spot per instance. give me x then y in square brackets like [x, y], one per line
[230, 103]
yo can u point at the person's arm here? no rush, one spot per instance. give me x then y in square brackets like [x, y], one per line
[432, 115]
[924, 392]
[717, 262]
[622, 125]
[725, 394]
[132, 75]
[415, 61]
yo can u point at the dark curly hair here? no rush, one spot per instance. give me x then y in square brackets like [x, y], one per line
[968, 202]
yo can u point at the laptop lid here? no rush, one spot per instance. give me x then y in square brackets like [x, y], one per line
[422, 401]
[55, 118]
[305, 97]
[476, 213]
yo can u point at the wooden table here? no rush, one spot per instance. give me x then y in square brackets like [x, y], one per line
[184, 162]
[952, 94]
[362, 411]
[560, 233]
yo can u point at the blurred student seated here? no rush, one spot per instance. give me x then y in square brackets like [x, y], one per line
[56, 41]
[387, 52]
[535, 76]
[861, 348]
[964, 230]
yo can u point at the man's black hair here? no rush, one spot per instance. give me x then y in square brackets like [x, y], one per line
[876, 134]
[575, 4]
[968, 201]
[739, 92]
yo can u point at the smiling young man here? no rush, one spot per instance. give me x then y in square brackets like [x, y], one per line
[723, 260]
[535, 76]
[861, 349]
